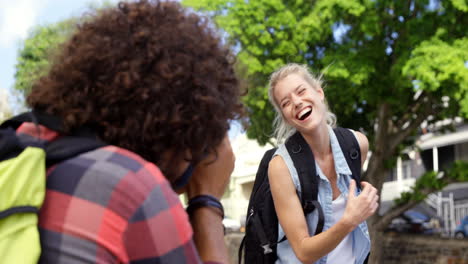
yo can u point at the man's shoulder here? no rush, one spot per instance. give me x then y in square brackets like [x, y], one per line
[108, 167]
[123, 159]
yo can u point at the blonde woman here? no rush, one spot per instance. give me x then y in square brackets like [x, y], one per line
[300, 103]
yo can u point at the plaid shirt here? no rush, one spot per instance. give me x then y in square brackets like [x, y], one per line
[111, 206]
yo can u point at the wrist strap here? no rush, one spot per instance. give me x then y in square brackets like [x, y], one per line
[200, 201]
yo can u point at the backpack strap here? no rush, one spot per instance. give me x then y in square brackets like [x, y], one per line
[50, 121]
[16, 121]
[9, 144]
[304, 162]
[241, 250]
[262, 172]
[78, 141]
[67, 147]
[351, 150]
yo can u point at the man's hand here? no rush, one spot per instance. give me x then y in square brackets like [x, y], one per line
[211, 176]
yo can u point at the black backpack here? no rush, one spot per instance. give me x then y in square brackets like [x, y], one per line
[261, 233]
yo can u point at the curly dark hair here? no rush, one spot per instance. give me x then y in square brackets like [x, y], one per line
[148, 76]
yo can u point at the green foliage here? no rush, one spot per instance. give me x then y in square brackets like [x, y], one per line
[36, 54]
[439, 66]
[371, 52]
[458, 172]
[432, 182]
[461, 4]
[427, 180]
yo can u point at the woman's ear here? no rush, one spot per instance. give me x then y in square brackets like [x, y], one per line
[285, 120]
[321, 93]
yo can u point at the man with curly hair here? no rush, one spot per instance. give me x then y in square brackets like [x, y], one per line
[153, 81]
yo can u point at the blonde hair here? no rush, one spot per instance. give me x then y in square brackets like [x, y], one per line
[282, 130]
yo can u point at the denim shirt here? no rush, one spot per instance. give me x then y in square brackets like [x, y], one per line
[360, 235]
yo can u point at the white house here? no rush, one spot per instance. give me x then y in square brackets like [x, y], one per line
[437, 151]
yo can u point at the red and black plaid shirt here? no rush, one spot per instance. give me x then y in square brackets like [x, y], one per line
[111, 206]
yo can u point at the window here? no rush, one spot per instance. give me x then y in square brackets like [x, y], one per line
[461, 151]
[407, 165]
[392, 175]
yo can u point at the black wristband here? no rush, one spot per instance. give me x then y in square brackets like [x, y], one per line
[200, 201]
[203, 197]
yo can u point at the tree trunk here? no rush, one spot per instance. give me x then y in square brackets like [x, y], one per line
[377, 247]
[376, 176]
[385, 143]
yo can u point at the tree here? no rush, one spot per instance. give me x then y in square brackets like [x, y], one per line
[43, 42]
[389, 66]
[36, 54]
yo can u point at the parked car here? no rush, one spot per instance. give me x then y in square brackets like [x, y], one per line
[461, 231]
[413, 221]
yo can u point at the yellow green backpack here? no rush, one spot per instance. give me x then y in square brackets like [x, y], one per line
[23, 163]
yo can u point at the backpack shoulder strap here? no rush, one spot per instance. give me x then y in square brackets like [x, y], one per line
[16, 121]
[304, 162]
[9, 144]
[67, 147]
[79, 141]
[351, 150]
[262, 172]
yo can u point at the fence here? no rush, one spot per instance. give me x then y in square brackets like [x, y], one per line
[450, 213]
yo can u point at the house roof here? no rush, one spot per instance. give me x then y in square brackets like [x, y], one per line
[431, 140]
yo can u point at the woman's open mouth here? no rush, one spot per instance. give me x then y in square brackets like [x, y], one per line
[302, 115]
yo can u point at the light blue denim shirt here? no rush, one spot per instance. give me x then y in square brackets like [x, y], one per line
[360, 235]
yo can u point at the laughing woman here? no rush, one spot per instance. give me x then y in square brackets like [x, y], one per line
[300, 103]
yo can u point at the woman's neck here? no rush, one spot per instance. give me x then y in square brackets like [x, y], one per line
[319, 141]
